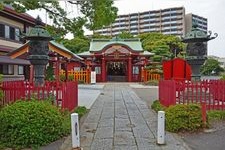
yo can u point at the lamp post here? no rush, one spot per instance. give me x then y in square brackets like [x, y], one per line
[38, 50]
[197, 49]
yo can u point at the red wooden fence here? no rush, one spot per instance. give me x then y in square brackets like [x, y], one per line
[209, 92]
[63, 94]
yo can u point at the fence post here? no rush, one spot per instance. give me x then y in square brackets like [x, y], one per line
[75, 131]
[204, 114]
[161, 128]
[173, 92]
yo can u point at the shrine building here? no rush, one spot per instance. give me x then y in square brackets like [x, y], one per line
[120, 60]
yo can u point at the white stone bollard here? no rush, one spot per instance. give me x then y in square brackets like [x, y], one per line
[75, 130]
[161, 128]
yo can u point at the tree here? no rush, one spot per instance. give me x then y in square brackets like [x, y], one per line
[95, 14]
[125, 35]
[77, 45]
[211, 67]
[151, 41]
[164, 46]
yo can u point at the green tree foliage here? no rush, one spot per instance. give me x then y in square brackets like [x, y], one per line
[98, 13]
[95, 14]
[163, 45]
[125, 35]
[211, 67]
[77, 45]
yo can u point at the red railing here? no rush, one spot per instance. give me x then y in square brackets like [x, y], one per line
[62, 94]
[209, 92]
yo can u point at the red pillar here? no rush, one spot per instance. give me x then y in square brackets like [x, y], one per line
[129, 70]
[103, 70]
[31, 74]
[66, 71]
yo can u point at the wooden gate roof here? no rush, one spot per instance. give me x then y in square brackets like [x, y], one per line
[53, 46]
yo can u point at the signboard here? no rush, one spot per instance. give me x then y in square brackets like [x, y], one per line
[93, 77]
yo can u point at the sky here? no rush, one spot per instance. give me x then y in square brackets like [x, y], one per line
[213, 10]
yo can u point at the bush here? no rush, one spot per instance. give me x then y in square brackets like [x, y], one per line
[71, 77]
[81, 82]
[152, 82]
[216, 115]
[81, 110]
[156, 106]
[62, 77]
[183, 118]
[32, 124]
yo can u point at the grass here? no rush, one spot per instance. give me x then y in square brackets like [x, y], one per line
[81, 110]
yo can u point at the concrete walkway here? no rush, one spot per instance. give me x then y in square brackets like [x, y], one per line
[120, 120]
[87, 94]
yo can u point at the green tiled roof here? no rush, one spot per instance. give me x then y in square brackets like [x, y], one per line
[98, 44]
[63, 48]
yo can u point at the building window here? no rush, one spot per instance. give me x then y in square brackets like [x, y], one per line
[135, 70]
[7, 32]
[17, 34]
[8, 69]
[12, 33]
[76, 68]
[98, 70]
[2, 30]
[20, 70]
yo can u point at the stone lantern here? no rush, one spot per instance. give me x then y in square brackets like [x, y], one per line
[197, 49]
[38, 50]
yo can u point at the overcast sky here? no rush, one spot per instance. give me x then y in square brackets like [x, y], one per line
[213, 10]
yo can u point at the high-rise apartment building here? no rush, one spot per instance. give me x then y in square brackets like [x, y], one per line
[200, 21]
[167, 21]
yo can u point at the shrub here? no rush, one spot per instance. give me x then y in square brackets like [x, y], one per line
[156, 106]
[216, 115]
[81, 82]
[81, 110]
[183, 118]
[62, 77]
[31, 124]
[152, 82]
[71, 77]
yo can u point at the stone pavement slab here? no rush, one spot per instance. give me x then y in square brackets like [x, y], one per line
[119, 119]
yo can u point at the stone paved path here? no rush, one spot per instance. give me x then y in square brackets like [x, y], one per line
[120, 120]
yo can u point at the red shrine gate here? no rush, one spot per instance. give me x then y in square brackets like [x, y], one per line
[116, 64]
